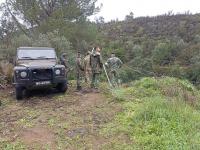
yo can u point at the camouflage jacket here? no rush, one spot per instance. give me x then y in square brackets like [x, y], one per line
[87, 63]
[96, 62]
[114, 63]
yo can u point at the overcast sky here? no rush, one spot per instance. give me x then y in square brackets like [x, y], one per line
[113, 9]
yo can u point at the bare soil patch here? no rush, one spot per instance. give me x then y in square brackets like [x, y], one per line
[38, 136]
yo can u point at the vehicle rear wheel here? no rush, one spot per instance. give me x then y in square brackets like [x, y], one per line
[62, 87]
[19, 92]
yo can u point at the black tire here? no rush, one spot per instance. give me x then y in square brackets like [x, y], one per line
[19, 93]
[62, 87]
[27, 93]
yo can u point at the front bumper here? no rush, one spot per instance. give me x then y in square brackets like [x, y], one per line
[29, 84]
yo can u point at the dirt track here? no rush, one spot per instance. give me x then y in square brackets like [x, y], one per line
[55, 121]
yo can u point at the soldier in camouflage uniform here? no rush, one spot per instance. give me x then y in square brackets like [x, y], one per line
[64, 62]
[114, 64]
[87, 67]
[96, 66]
[79, 70]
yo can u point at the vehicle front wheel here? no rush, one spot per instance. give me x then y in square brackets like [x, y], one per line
[62, 87]
[19, 93]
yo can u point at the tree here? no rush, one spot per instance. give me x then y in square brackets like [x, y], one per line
[60, 43]
[100, 20]
[9, 15]
[129, 17]
[137, 51]
[21, 40]
[67, 17]
[42, 40]
[7, 27]
[37, 12]
[197, 38]
[163, 53]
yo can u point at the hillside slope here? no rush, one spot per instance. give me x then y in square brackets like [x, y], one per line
[158, 27]
[165, 45]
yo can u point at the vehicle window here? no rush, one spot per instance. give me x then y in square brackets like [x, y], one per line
[36, 54]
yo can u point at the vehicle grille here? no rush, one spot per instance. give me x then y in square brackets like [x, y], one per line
[42, 74]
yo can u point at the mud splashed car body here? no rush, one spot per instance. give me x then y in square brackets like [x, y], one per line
[38, 68]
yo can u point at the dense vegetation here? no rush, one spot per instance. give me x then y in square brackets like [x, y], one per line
[165, 45]
[149, 46]
[59, 24]
[160, 113]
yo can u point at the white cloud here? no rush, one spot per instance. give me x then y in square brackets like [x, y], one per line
[113, 9]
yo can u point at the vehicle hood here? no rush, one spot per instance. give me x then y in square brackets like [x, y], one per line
[37, 63]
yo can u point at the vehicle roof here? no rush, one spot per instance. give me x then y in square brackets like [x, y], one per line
[34, 48]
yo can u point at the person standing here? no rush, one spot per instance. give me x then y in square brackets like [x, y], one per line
[79, 70]
[87, 67]
[114, 64]
[96, 66]
[64, 62]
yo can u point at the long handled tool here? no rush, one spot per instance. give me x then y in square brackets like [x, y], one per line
[107, 76]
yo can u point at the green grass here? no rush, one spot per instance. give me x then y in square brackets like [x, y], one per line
[4, 145]
[157, 114]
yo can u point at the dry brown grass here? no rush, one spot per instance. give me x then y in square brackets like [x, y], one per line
[6, 71]
[190, 97]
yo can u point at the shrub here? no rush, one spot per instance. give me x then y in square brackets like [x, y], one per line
[60, 43]
[21, 41]
[194, 72]
[128, 74]
[42, 41]
[164, 53]
[171, 70]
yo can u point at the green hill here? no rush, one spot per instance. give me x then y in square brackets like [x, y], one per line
[166, 44]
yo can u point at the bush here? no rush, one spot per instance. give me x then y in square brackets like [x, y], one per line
[171, 70]
[164, 53]
[42, 41]
[128, 74]
[60, 43]
[21, 41]
[194, 72]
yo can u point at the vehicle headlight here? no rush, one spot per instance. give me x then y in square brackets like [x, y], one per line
[57, 72]
[23, 74]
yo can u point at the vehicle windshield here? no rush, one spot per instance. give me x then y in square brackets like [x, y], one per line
[36, 54]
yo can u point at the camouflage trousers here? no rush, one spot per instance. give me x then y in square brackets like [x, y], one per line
[88, 75]
[114, 78]
[78, 81]
[95, 80]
